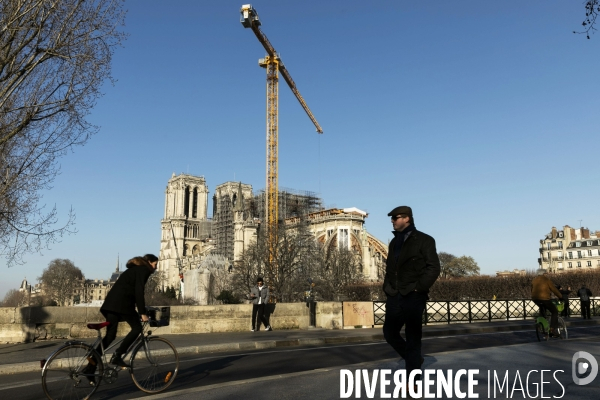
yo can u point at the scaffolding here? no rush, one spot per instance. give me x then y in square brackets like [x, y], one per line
[223, 225]
[292, 204]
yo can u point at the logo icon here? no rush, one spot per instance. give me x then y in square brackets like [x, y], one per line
[581, 368]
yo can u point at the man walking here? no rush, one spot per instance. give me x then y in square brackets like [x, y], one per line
[584, 297]
[412, 267]
[260, 296]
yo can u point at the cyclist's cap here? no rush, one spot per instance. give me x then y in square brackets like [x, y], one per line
[541, 271]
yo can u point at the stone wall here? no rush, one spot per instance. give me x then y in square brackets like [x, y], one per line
[27, 324]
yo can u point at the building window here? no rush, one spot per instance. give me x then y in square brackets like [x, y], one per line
[560, 234]
[560, 265]
[589, 243]
[195, 204]
[343, 239]
[548, 254]
[578, 264]
[570, 255]
[560, 245]
[578, 244]
[589, 253]
[549, 245]
[560, 254]
[578, 253]
[186, 202]
[570, 265]
[589, 263]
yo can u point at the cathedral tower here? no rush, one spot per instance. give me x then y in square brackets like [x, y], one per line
[185, 228]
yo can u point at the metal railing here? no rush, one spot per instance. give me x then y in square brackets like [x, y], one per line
[469, 311]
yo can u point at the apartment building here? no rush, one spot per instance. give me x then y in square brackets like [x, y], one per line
[569, 249]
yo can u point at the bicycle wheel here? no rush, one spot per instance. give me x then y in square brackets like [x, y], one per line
[540, 332]
[562, 329]
[154, 370]
[63, 376]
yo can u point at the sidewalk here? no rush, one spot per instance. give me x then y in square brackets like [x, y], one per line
[25, 357]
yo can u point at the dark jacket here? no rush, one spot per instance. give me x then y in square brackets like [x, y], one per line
[584, 294]
[416, 267]
[128, 291]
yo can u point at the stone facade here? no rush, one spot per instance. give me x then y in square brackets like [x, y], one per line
[569, 249]
[189, 236]
[32, 323]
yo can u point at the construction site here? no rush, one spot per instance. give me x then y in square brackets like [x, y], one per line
[240, 215]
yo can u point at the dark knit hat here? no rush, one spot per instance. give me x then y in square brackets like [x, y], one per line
[406, 210]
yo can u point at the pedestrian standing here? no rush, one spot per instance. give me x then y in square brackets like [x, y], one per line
[584, 297]
[412, 267]
[260, 297]
[566, 312]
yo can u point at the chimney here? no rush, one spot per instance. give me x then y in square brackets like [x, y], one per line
[554, 234]
[585, 233]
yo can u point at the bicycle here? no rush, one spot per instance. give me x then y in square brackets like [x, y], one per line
[542, 326]
[154, 365]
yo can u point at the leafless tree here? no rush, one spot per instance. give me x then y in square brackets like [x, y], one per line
[337, 269]
[54, 57]
[592, 9]
[286, 271]
[457, 267]
[60, 280]
[14, 298]
[445, 260]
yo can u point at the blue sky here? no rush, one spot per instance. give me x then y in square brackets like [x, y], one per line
[482, 116]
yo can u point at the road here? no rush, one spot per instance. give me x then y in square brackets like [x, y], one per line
[269, 374]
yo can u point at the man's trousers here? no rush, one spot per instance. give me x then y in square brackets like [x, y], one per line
[405, 311]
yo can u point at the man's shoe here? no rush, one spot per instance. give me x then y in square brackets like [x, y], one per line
[89, 371]
[117, 360]
[268, 328]
[252, 330]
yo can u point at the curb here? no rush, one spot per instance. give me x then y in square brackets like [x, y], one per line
[33, 366]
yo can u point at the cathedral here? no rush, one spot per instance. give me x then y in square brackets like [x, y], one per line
[195, 248]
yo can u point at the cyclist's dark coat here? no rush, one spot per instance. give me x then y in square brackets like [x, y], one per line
[416, 267]
[128, 291]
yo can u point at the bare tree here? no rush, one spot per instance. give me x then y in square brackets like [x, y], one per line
[286, 272]
[60, 280]
[457, 267]
[14, 298]
[54, 57]
[338, 269]
[592, 9]
[445, 260]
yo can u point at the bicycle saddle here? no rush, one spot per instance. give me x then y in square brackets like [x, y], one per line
[98, 325]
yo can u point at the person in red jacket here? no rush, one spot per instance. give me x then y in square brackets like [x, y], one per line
[120, 305]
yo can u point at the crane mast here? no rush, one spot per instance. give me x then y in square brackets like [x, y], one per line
[273, 65]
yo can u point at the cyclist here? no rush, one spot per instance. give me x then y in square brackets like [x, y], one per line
[120, 304]
[542, 288]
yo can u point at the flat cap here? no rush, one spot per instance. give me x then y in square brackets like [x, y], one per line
[406, 210]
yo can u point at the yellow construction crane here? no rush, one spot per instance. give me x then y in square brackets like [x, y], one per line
[274, 66]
